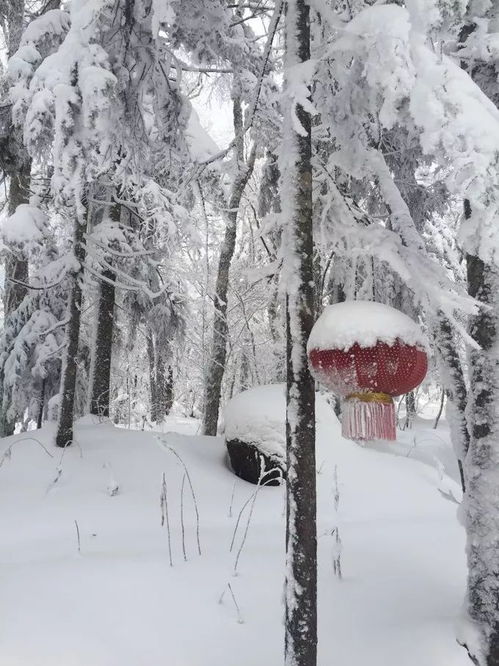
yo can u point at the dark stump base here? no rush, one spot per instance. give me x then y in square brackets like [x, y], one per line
[245, 460]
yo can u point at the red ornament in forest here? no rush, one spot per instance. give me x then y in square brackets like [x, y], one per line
[367, 353]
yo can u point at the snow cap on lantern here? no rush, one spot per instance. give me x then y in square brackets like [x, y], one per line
[367, 353]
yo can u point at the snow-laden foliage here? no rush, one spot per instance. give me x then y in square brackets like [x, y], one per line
[398, 79]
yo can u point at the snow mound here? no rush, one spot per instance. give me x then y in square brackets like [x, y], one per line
[365, 323]
[257, 416]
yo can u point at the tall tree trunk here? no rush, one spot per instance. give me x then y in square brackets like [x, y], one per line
[103, 343]
[301, 531]
[161, 387]
[101, 362]
[41, 405]
[219, 347]
[64, 436]
[169, 390]
[481, 468]
[481, 503]
[153, 387]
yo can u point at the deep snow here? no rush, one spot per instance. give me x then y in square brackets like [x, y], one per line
[119, 603]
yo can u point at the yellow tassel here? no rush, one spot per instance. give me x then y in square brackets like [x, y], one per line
[371, 396]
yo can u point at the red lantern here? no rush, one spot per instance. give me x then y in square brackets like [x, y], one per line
[367, 353]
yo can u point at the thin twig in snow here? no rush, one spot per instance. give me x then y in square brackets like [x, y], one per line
[239, 616]
[250, 514]
[182, 516]
[78, 535]
[165, 516]
[8, 451]
[261, 485]
[192, 493]
[58, 470]
[232, 499]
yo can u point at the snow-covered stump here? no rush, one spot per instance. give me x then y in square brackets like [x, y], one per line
[255, 434]
[249, 463]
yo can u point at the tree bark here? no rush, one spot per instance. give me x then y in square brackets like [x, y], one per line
[481, 466]
[101, 371]
[160, 383]
[64, 436]
[301, 534]
[41, 405]
[220, 328]
[103, 344]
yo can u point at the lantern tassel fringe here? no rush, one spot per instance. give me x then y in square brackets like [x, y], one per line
[368, 416]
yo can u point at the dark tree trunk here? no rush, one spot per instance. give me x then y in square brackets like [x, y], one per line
[64, 435]
[169, 391]
[301, 531]
[101, 371]
[41, 405]
[220, 329]
[103, 342]
[440, 410]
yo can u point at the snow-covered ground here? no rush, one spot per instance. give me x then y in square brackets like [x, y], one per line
[116, 601]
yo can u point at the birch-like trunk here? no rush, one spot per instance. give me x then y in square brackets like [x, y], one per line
[481, 505]
[301, 532]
